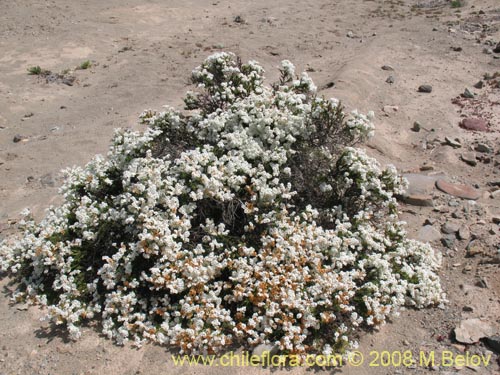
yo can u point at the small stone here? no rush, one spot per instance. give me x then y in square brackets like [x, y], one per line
[425, 88]
[497, 48]
[390, 108]
[494, 343]
[468, 94]
[416, 126]
[19, 138]
[479, 85]
[265, 349]
[458, 190]
[469, 158]
[450, 228]
[487, 51]
[455, 143]
[47, 180]
[239, 19]
[428, 234]
[476, 124]
[484, 148]
[470, 331]
[447, 242]
[468, 309]
[429, 221]
[387, 67]
[456, 49]
[474, 248]
[419, 191]
[390, 80]
[350, 34]
[463, 233]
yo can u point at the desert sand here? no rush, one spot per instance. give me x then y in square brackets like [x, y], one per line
[142, 53]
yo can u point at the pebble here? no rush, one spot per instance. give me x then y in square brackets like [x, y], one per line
[387, 67]
[472, 123]
[458, 190]
[488, 51]
[468, 94]
[447, 242]
[350, 34]
[390, 80]
[463, 233]
[455, 143]
[469, 158]
[470, 331]
[425, 88]
[474, 248]
[450, 228]
[428, 234]
[497, 48]
[19, 138]
[479, 85]
[483, 147]
[416, 126]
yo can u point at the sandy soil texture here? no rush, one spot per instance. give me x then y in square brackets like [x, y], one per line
[141, 54]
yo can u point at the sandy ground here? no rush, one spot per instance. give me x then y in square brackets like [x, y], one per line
[142, 53]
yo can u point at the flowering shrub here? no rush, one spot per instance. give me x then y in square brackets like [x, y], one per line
[248, 218]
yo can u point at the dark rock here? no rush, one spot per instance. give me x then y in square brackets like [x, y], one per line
[458, 190]
[497, 48]
[416, 126]
[483, 147]
[479, 85]
[425, 88]
[476, 124]
[19, 138]
[456, 49]
[494, 343]
[447, 242]
[239, 19]
[387, 67]
[390, 80]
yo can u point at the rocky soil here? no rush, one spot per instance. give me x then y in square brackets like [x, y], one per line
[430, 69]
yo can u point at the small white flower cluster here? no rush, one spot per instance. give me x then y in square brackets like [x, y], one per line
[197, 232]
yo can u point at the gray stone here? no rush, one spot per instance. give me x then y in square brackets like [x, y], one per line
[483, 147]
[468, 94]
[471, 331]
[455, 143]
[469, 158]
[19, 138]
[416, 126]
[425, 88]
[387, 67]
[448, 242]
[47, 180]
[428, 234]
[390, 80]
[479, 85]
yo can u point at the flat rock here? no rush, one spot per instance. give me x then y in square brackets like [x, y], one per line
[455, 143]
[387, 67]
[428, 234]
[469, 158]
[458, 190]
[419, 191]
[483, 147]
[19, 138]
[463, 233]
[471, 331]
[475, 124]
